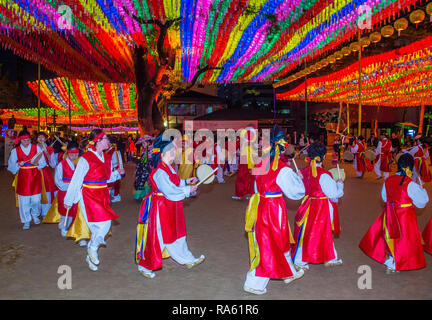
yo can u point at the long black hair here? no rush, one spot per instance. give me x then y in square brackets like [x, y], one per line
[405, 161]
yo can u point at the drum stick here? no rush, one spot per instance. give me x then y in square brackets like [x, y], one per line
[57, 138]
[39, 153]
[339, 176]
[295, 164]
[209, 175]
[120, 160]
[67, 213]
[420, 182]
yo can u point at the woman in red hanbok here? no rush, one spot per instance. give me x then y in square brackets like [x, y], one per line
[161, 230]
[267, 219]
[394, 238]
[244, 184]
[420, 154]
[360, 164]
[317, 218]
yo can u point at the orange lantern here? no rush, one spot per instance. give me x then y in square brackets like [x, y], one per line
[339, 55]
[346, 51]
[401, 25]
[417, 16]
[387, 31]
[355, 46]
[364, 42]
[375, 37]
[332, 59]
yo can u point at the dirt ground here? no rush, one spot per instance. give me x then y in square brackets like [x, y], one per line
[29, 260]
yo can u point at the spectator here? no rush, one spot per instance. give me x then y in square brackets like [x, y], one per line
[11, 122]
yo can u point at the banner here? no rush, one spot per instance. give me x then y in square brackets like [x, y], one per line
[214, 125]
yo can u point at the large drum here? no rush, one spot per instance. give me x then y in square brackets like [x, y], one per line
[348, 155]
[370, 154]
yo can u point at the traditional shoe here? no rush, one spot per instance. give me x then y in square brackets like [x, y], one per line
[379, 178]
[63, 232]
[247, 197]
[36, 220]
[116, 199]
[254, 291]
[26, 226]
[236, 198]
[301, 267]
[92, 266]
[83, 243]
[391, 271]
[297, 275]
[92, 254]
[196, 262]
[148, 274]
[333, 263]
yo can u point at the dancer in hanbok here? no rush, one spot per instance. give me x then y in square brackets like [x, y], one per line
[267, 222]
[25, 163]
[394, 238]
[49, 188]
[161, 230]
[318, 216]
[383, 157]
[89, 188]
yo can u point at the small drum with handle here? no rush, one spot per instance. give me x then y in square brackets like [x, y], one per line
[290, 151]
[370, 155]
[338, 174]
[203, 172]
[348, 155]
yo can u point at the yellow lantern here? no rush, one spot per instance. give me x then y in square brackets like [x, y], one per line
[401, 24]
[417, 16]
[375, 37]
[346, 51]
[332, 59]
[355, 46]
[313, 68]
[387, 31]
[339, 55]
[364, 42]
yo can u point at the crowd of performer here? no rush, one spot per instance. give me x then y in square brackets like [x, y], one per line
[73, 184]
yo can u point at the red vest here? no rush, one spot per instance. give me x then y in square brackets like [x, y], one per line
[48, 179]
[312, 186]
[29, 180]
[316, 232]
[95, 190]
[171, 217]
[67, 177]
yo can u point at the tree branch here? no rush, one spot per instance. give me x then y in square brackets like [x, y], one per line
[163, 56]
